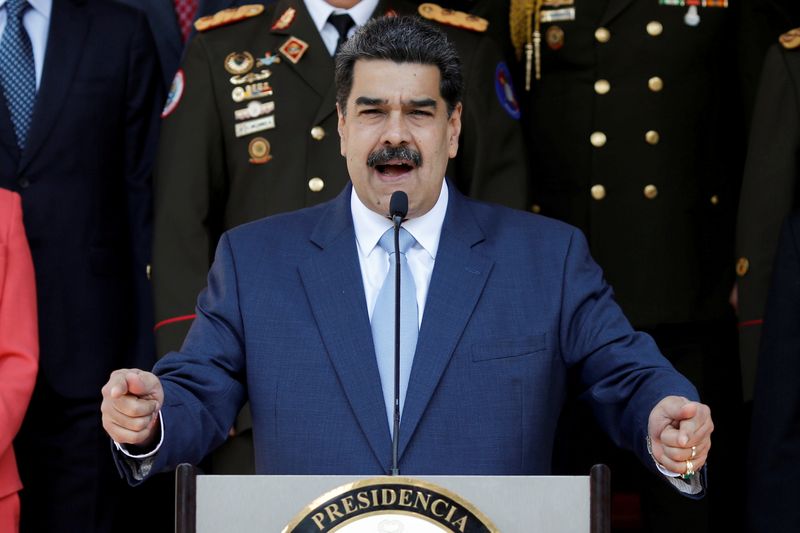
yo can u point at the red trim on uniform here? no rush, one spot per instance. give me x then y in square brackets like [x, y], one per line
[748, 323]
[174, 319]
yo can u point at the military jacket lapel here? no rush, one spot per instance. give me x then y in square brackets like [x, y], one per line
[615, 7]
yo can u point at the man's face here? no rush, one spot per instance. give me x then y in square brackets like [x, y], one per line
[396, 134]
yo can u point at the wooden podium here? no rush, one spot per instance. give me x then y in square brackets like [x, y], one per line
[510, 504]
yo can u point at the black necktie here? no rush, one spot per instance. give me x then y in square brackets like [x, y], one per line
[342, 23]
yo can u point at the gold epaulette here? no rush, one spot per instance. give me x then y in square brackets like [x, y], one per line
[451, 17]
[791, 39]
[228, 16]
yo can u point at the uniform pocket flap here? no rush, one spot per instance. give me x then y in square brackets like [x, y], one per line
[504, 348]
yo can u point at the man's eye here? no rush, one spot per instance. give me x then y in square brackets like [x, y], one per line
[420, 113]
[371, 112]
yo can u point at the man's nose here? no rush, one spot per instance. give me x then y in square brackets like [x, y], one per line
[396, 130]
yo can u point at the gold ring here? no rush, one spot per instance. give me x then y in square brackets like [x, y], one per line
[689, 469]
[694, 452]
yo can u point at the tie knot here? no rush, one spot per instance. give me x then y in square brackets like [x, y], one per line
[387, 241]
[342, 22]
[16, 8]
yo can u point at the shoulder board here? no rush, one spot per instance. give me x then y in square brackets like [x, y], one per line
[451, 17]
[791, 39]
[228, 16]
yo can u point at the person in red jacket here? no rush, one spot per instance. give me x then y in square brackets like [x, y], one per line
[19, 347]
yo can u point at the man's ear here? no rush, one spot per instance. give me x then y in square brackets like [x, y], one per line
[342, 130]
[454, 130]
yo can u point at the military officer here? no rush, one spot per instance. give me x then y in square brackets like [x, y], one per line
[249, 130]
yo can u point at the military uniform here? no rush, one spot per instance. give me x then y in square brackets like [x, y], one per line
[250, 130]
[769, 189]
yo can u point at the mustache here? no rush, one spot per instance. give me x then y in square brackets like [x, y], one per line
[384, 155]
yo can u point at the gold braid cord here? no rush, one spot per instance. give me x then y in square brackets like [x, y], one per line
[520, 16]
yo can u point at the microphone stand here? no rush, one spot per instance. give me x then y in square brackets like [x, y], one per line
[398, 207]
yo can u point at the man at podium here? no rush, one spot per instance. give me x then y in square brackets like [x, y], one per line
[498, 306]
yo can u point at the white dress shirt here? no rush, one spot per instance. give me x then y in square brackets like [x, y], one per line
[320, 10]
[36, 21]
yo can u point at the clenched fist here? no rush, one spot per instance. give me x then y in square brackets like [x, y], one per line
[131, 400]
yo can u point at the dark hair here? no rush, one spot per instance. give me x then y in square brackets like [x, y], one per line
[402, 40]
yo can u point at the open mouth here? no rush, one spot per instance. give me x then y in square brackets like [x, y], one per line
[394, 161]
[395, 168]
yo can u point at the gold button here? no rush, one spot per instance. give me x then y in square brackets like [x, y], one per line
[318, 133]
[742, 266]
[714, 200]
[598, 139]
[602, 86]
[536, 208]
[650, 192]
[316, 184]
[598, 192]
[655, 84]
[652, 137]
[654, 28]
[602, 35]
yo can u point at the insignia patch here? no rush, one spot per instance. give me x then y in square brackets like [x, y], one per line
[251, 77]
[791, 39]
[451, 17]
[505, 91]
[239, 62]
[285, 19]
[254, 110]
[228, 16]
[252, 126]
[259, 151]
[554, 37]
[293, 49]
[268, 60]
[252, 91]
[174, 95]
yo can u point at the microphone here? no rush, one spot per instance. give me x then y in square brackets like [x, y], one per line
[398, 209]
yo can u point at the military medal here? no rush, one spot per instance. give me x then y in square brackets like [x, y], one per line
[554, 37]
[692, 16]
[254, 110]
[268, 60]
[239, 62]
[258, 149]
[293, 49]
[555, 15]
[249, 92]
[251, 77]
[285, 19]
[243, 129]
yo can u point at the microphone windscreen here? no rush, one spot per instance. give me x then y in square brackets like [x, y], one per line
[398, 204]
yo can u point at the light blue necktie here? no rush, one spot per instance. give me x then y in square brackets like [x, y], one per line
[17, 71]
[383, 322]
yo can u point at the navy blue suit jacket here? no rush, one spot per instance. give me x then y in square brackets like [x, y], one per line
[515, 301]
[84, 177]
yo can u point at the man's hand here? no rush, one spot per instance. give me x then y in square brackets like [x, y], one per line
[680, 432]
[131, 400]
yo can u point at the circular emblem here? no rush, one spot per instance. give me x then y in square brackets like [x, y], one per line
[505, 90]
[175, 93]
[258, 149]
[390, 505]
[239, 62]
[554, 36]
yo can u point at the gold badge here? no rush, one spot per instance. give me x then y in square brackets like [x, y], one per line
[251, 77]
[293, 49]
[791, 39]
[554, 36]
[239, 62]
[254, 110]
[252, 91]
[285, 19]
[259, 151]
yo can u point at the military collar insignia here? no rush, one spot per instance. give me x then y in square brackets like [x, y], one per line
[285, 20]
[293, 49]
[791, 39]
[228, 16]
[451, 17]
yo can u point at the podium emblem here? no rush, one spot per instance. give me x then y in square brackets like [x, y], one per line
[390, 505]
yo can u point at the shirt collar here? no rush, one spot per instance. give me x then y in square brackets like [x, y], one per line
[320, 10]
[44, 7]
[427, 229]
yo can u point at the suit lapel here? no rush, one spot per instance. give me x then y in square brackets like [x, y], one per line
[335, 290]
[615, 7]
[69, 24]
[458, 279]
[8, 138]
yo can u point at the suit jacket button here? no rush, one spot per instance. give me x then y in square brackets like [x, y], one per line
[598, 139]
[598, 192]
[742, 266]
[655, 84]
[318, 133]
[602, 35]
[24, 183]
[316, 184]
